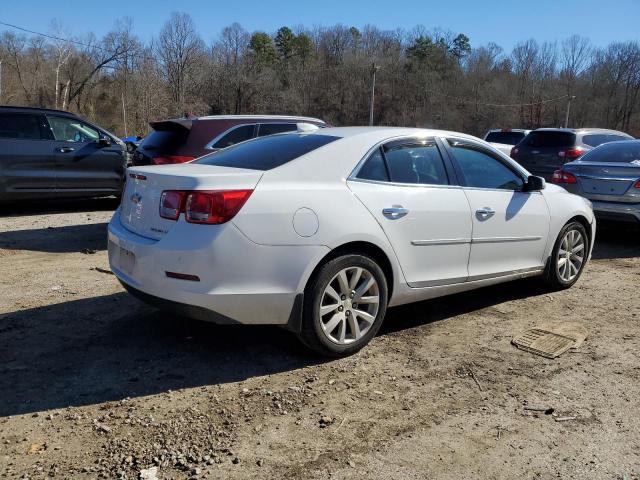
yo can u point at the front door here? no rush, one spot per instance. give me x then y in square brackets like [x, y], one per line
[405, 185]
[510, 224]
[83, 164]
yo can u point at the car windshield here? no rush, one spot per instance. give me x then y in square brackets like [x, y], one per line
[550, 139]
[507, 138]
[616, 152]
[266, 153]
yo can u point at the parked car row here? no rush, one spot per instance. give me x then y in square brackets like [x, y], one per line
[598, 164]
[285, 220]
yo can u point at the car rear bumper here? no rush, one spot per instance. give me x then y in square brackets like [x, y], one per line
[616, 211]
[239, 281]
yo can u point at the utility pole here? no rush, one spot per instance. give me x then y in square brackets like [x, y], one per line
[124, 116]
[0, 82]
[374, 69]
[566, 117]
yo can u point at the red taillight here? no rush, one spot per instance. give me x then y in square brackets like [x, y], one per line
[572, 153]
[214, 207]
[514, 152]
[210, 207]
[169, 159]
[171, 203]
[560, 176]
[637, 184]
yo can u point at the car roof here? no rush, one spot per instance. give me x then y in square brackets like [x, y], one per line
[381, 133]
[260, 117]
[581, 130]
[15, 109]
[507, 130]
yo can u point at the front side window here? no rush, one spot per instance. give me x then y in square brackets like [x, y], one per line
[273, 128]
[237, 135]
[72, 130]
[21, 126]
[417, 163]
[481, 170]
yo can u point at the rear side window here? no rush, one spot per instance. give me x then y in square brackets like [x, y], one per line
[596, 139]
[374, 168]
[551, 139]
[273, 128]
[267, 152]
[615, 152]
[237, 135]
[481, 170]
[507, 138]
[22, 126]
[420, 164]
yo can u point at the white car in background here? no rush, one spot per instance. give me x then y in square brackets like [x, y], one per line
[322, 231]
[504, 139]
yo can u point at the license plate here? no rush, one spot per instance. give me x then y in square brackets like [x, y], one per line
[126, 260]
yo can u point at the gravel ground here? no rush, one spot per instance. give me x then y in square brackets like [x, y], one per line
[94, 384]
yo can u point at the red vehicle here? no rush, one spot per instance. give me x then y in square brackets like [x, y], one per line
[181, 140]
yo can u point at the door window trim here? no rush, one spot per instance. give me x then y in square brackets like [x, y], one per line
[482, 149]
[407, 140]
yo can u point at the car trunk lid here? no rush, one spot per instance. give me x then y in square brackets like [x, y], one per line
[609, 181]
[140, 207]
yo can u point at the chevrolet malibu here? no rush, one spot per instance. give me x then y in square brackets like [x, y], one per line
[321, 231]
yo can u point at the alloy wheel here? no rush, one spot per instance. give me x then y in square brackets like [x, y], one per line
[570, 255]
[349, 305]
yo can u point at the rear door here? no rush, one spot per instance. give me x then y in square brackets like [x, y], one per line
[540, 151]
[408, 188]
[510, 225]
[83, 164]
[27, 156]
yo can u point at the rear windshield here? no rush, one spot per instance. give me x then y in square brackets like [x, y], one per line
[508, 138]
[619, 152]
[266, 153]
[550, 139]
[165, 140]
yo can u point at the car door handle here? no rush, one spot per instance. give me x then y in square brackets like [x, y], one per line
[395, 212]
[65, 149]
[485, 213]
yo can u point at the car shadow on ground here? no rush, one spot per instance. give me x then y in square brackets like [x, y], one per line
[48, 206]
[66, 239]
[617, 240]
[112, 347]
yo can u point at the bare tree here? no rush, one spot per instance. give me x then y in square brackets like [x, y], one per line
[178, 47]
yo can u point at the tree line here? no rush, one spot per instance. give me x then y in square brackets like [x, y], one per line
[425, 78]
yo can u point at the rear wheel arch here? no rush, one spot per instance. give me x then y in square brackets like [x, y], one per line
[364, 248]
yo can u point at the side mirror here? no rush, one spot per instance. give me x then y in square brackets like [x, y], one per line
[535, 184]
[104, 140]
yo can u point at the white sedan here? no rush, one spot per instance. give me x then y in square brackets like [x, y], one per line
[322, 231]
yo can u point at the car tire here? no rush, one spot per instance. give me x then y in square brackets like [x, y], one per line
[334, 324]
[568, 257]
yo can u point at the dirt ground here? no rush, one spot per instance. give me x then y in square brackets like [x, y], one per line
[94, 384]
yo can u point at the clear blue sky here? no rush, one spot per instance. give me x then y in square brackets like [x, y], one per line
[500, 21]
